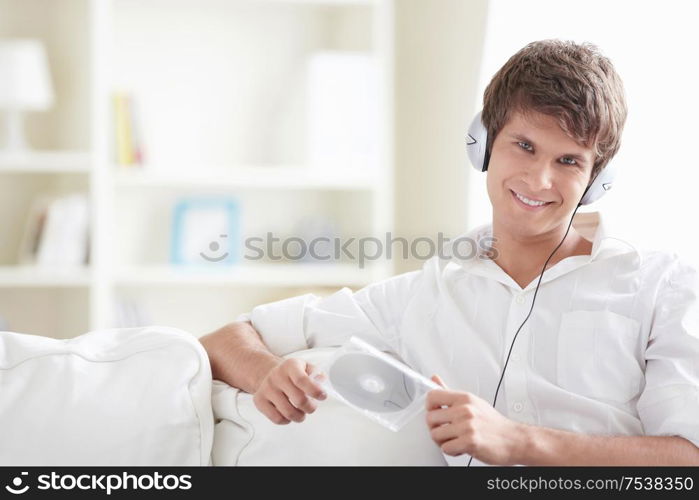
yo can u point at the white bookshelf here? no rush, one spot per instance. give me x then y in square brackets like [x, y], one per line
[47, 162]
[251, 177]
[234, 68]
[271, 275]
[32, 277]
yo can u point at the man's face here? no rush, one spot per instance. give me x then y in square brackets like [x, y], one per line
[536, 174]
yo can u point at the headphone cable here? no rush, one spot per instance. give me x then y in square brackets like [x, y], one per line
[536, 290]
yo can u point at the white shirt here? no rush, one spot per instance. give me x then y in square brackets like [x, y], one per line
[611, 347]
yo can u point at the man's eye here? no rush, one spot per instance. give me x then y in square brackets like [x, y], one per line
[569, 161]
[525, 145]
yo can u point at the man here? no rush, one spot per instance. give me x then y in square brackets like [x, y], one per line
[605, 370]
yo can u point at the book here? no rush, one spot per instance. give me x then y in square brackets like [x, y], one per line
[127, 131]
[56, 233]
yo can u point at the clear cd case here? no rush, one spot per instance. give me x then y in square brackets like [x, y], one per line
[374, 383]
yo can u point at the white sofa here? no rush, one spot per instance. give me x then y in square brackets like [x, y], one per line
[144, 396]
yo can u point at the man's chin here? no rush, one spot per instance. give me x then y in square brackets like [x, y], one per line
[526, 226]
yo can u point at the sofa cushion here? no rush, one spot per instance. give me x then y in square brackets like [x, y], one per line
[137, 396]
[334, 434]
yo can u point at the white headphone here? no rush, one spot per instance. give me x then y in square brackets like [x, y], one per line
[476, 144]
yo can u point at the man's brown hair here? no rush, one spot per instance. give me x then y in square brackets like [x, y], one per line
[571, 82]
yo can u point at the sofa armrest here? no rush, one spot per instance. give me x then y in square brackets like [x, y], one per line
[137, 396]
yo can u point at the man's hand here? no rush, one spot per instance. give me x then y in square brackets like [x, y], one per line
[283, 395]
[461, 422]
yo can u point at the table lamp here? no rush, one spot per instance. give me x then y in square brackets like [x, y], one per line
[25, 85]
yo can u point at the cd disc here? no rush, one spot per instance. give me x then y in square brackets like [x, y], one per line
[370, 383]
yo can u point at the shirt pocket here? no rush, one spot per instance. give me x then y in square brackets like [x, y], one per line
[597, 355]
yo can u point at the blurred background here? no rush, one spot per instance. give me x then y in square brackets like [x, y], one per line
[170, 161]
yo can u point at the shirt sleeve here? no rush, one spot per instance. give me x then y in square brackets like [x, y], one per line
[243, 317]
[308, 321]
[669, 403]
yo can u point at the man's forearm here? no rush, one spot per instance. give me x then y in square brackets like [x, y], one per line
[238, 356]
[544, 446]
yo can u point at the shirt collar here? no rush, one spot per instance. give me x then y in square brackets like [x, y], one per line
[591, 225]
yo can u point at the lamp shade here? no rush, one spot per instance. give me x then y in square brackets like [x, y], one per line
[25, 82]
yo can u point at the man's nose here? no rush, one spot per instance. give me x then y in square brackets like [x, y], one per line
[539, 176]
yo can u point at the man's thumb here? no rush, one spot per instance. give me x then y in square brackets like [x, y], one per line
[437, 379]
[314, 372]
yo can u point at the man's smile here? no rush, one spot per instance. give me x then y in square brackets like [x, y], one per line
[529, 203]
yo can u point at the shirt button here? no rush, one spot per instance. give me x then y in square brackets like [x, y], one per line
[515, 358]
[520, 298]
[517, 407]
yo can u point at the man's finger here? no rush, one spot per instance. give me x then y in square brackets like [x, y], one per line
[308, 385]
[444, 433]
[269, 411]
[438, 380]
[283, 406]
[457, 446]
[437, 398]
[297, 397]
[439, 417]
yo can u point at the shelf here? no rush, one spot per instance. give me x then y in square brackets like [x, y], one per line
[55, 162]
[324, 2]
[260, 177]
[31, 276]
[294, 274]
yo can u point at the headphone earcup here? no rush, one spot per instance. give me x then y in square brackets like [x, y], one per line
[476, 144]
[602, 183]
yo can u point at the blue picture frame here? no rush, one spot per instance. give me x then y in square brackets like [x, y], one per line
[229, 236]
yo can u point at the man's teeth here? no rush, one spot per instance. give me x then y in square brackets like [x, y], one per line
[529, 202]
